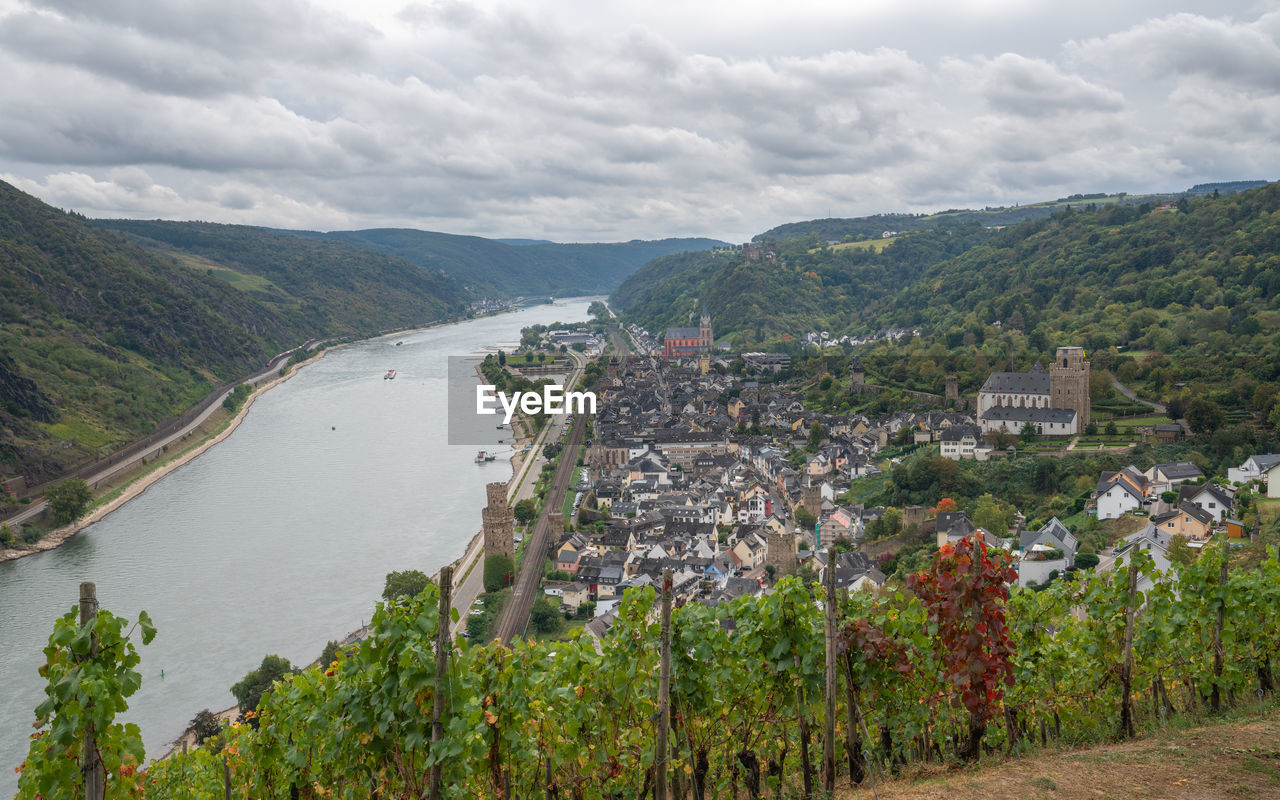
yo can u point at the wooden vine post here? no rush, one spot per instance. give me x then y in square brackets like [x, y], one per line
[91, 762]
[829, 731]
[442, 668]
[1126, 666]
[1215, 699]
[660, 754]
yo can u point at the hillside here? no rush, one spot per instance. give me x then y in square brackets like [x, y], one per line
[510, 268]
[1228, 760]
[1182, 295]
[836, 229]
[1178, 301]
[754, 299]
[101, 339]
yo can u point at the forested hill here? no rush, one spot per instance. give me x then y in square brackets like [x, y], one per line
[789, 288]
[837, 229]
[510, 268]
[1187, 294]
[101, 339]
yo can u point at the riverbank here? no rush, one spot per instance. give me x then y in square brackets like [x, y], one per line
[136, 486]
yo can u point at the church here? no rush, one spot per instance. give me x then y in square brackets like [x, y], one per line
[682, 342]
[1055, 401]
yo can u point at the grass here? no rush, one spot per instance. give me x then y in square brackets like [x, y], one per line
[874, 245]
[80, 432]
[1235, 756]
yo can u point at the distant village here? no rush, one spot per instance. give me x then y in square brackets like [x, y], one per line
[679, 476]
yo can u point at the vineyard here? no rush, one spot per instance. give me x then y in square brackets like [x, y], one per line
[953, 666]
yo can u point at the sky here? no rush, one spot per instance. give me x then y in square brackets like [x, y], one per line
[600, 120]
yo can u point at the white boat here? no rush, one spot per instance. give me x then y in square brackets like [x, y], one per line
[481, 457]
[390, 376]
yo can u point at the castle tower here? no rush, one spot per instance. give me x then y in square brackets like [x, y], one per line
[857, 375]
[499, 523]
[780, 551]
[1069, 383]
[704, 330]
[953, 388]
[811, 498]
[704, 363]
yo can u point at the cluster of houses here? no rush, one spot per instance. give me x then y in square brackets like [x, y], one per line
[680, 479]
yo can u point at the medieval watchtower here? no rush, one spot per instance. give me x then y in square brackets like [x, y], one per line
[1069, 383]
[499, 523]
[781, 551]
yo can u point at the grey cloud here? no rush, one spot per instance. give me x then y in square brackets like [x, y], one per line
[1035, 88]
[1188, 44]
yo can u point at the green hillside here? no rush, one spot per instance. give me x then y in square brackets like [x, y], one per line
[755, 299]
[1179, 302]
[517, 267]
[836, 229]
[101, 339]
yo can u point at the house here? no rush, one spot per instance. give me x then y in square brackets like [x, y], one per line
[1261, 468]
[1167, 476]
[1168, 434]
[952, 526]
[1215, 500]
[1188, 520]
[570, 552]
[574, 595]
[1118, 493]
[1149, 538]
[959, 441]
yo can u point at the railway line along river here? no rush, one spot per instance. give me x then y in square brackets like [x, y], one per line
[277, 539]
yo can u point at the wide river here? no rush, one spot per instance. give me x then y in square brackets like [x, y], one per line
[274, 541]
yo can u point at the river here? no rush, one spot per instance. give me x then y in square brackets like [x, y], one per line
[275, 540]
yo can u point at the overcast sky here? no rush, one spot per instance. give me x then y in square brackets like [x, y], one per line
[595, 120]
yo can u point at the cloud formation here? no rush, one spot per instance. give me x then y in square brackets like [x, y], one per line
[563, 121]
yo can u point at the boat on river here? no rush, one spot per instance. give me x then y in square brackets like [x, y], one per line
[390, 376]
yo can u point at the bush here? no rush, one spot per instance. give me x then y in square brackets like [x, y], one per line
[204, 725]
[67, 501]
[497, 571]
[544, 617]
[1086, 560]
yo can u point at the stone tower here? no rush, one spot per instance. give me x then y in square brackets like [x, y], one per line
[1069, 383]
[953, 388]
[780, 551]
[704, 330]
[857, 375]
[499, 523]
[811, 498]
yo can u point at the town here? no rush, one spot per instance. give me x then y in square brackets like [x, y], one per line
[709, 464]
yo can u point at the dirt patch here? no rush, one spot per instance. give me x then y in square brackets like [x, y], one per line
[1232, 761]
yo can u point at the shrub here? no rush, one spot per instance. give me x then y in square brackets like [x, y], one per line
[497, 570]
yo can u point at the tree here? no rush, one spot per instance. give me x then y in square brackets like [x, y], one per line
[804, 520]
[1204, 415]
[68, 500]
[204, 725]
[544, 617]
[502, 358]
[409, 583]
[1180, 552]
[249, 691]
[497, 570]
[525, 511]
[816, 433]
[1028, 433]
[1111, 429]
[1091, 429]
[945, 506]
[993, 516]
